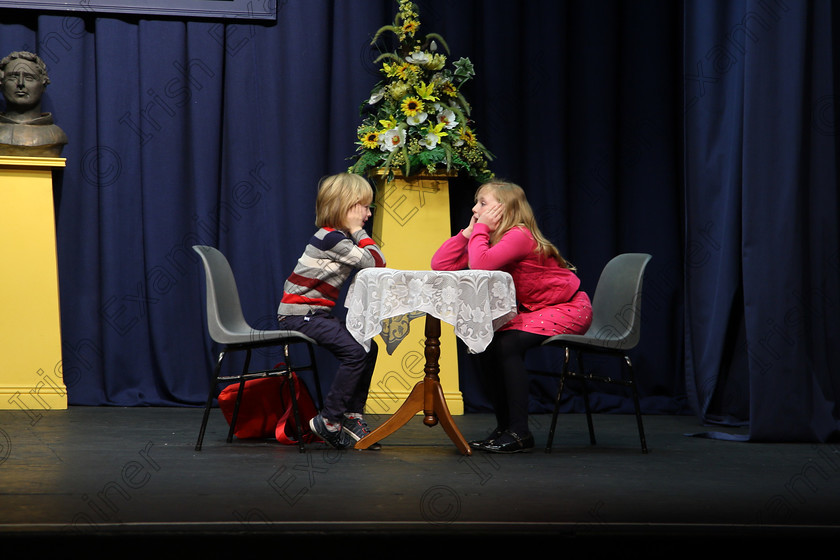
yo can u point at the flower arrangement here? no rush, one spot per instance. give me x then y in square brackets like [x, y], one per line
[417, 119]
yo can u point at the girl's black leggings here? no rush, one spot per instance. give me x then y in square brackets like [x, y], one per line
[505, 378]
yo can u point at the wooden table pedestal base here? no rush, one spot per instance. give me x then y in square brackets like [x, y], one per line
[426, 396]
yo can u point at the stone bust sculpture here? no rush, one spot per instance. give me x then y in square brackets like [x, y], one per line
[24, 129]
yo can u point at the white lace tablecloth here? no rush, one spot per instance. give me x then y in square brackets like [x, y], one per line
[385, 301]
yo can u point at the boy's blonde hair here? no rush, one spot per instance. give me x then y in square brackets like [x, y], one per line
[337, 194]
[517, 212]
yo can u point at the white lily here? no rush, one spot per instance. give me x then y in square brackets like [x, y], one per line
[419, 57]
[376, 97]
[419, 118]
[447, 118]
[429, 141]
[392, 139]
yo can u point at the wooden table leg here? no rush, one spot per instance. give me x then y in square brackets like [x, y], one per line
[426, 396]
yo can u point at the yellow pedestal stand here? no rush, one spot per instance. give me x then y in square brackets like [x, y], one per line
[410, 221]
[30, 328]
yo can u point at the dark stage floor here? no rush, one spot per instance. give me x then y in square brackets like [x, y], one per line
[132, 473]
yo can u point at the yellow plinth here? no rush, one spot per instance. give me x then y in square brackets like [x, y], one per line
[30, 328]
[411, 221]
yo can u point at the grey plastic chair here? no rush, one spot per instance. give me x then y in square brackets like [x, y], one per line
[615, 329]
[228, 327]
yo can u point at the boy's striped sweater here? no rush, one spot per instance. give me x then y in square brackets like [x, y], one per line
[329, 259]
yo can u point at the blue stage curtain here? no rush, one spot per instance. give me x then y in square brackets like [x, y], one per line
[762, 216]
[701, 132]
[182, 133]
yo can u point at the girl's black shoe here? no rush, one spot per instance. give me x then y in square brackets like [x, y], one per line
[510, 442]
[481, 443]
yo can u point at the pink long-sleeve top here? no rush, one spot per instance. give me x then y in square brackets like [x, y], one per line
[549, 296]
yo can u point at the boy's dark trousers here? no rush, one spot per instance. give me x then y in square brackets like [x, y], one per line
[349, 389]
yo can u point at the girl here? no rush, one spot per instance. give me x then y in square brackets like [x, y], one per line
[503, 235]
[335, 251]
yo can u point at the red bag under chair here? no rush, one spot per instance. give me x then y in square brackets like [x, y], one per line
[266, 409]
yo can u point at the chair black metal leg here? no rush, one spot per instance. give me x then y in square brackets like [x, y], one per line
[296, 412]
[554, 415]
[209, 402]
[586, 398]
[636, 404]
[239, 396]
[293, 394]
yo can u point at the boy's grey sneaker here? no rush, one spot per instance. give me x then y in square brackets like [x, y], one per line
[357, 428]
[337, 439]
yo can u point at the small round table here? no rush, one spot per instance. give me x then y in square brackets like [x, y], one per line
[475, 302]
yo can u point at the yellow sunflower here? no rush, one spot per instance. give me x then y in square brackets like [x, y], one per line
[411, 106]
[370, 139]
[410, 26]
[407, 71]
[468, 136]
[448, 88]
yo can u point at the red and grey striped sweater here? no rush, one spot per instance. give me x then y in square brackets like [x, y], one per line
[329, 259]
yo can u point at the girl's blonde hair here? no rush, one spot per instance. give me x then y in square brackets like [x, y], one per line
[337, 194]
[517, 212]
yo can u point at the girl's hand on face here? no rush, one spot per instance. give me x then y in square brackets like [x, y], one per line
[492, 216]
[468, 230]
